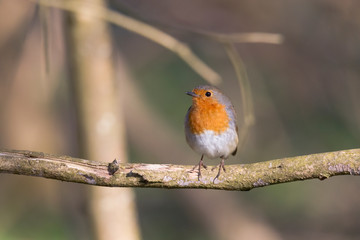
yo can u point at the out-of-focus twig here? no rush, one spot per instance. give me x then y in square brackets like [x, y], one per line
[145, 30]
[249, 37]
[245, 37]
[44, 20]
[237, 177]
[245, 90]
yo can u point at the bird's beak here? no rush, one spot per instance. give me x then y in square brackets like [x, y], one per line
[192, 94]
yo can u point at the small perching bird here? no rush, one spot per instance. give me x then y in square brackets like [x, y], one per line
[210, 125]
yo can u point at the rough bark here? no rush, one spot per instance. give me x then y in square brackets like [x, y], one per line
[241, 177]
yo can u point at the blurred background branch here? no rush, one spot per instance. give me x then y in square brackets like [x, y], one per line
[237, 177]
[145, 30]
[166, 40]
[248, 115]
[100, 115]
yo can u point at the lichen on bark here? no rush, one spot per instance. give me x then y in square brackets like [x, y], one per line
[241, 177]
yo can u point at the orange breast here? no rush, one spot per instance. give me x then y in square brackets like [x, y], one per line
[208, 115]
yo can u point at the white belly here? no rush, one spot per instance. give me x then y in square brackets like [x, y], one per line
[213, 145]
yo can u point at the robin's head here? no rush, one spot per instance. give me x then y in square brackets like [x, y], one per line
[207, 95]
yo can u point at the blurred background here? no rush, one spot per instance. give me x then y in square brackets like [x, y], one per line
[305, 96]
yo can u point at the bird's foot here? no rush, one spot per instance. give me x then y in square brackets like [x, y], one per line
[201, 164]
[221, 166]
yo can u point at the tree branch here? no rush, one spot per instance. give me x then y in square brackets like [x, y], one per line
[145, 30]
[241, 177]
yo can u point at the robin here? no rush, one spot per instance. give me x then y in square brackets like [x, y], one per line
[210, 126]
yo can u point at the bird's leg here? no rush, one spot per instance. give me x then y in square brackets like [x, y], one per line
[221, 166]
[201, 164]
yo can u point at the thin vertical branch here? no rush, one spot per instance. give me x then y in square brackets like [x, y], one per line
[245, 90]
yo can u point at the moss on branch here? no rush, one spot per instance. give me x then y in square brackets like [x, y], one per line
[241, 177]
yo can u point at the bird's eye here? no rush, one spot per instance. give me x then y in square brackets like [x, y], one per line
[208, 94]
